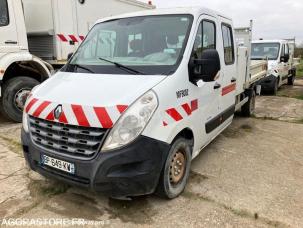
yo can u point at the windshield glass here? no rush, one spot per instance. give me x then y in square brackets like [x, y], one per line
[149, 44]
[265, 50]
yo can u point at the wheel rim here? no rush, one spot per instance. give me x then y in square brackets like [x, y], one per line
[21, 97]
[177, 168]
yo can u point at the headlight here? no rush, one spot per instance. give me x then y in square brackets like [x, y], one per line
[132, 123]
[25, 122]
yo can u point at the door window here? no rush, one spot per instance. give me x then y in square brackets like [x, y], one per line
[4, 18]
[205, 39]
[228, 43]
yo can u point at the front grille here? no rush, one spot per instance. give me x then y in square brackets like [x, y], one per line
[70, 140]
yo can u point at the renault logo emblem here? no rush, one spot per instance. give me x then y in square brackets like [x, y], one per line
[57, 112]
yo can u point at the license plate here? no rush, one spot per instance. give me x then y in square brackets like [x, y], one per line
[58, 164]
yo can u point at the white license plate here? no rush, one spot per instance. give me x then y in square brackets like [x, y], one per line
[58, 164]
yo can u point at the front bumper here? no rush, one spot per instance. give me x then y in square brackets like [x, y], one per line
[130, 171]
[268, 83]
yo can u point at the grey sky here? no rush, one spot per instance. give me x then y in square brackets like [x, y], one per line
[272, 18]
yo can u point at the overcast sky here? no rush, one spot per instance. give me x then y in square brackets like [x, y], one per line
[272, 18]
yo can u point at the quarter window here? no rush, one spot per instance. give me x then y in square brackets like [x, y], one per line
[229, 54]
[205, 39]
[4, 19]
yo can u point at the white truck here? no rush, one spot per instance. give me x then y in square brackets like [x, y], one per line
[37, 36]
[281, 62]
[126, 117]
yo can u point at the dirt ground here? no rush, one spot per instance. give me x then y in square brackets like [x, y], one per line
[250, 176]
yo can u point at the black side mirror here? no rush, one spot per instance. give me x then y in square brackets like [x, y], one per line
[285, 58]
[207, 67]
[69, 56]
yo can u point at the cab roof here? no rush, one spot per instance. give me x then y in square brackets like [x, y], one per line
[196, 11]
[270, 41]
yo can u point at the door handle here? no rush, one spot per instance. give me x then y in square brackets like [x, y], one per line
[217, 86]
[233, 80]
[10, 42]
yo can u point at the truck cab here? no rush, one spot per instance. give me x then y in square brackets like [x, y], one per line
[280, 55]
[19, 70]
[142, 96]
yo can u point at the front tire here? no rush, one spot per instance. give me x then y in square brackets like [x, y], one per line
[176, 169]
[275, 87]
[15, 92]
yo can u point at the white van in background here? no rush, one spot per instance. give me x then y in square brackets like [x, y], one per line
[281, 62]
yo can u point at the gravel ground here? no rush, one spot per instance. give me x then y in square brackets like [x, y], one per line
[250, 176]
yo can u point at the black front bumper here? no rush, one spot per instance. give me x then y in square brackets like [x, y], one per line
[268, 83]
[130, 171]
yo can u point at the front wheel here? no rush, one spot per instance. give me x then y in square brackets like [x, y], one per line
[176, 169]
[15, 93]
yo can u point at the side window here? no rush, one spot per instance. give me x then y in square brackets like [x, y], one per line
[4, 18]
[205, 39]
[228, 44]
[283, 50]
[287, 49]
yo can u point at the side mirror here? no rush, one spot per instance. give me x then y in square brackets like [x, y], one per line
[69, 56]
[207, 67]
[285, 58]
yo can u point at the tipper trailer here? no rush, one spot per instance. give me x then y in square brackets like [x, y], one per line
[37, 36]
[127, 117]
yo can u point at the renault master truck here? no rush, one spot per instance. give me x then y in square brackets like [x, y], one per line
[138, 101]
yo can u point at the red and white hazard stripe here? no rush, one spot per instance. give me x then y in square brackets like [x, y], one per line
[67, 38]
[179, 113]
[78, 115]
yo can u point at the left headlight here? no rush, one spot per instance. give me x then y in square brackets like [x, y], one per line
[132, 122]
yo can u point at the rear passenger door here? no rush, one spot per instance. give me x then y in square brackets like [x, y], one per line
[228, 72]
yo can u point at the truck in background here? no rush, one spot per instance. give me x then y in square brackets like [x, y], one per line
[36, 38]
[126, 117]
[281, 62]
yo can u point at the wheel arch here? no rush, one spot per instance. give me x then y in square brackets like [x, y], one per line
[24, 64]
[186, 133]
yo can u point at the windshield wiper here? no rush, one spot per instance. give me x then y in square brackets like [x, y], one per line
[84, 68]
[121, 66]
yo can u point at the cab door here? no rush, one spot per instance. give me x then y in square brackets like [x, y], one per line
[8, 30]
[208, 92]
[228, 72]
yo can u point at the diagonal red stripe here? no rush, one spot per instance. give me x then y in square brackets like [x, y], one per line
[51, 116]
[30, 104]
[122, 108]
[103, 117]
[80, 116]
[82, 38]
[194, 105]
[73, 38]
[187, 109]
[63, 118]
[174, 114]
[40, 109]
[62, 37]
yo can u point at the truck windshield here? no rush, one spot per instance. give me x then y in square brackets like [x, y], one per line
[265, 50]
[149, 44]
[4, 20]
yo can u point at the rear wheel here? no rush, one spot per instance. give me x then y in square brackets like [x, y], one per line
[249, 108]
[176, 169]
[15, 93]
[275, 87]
